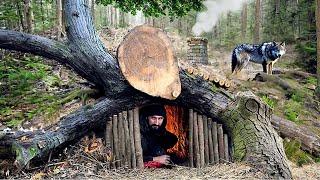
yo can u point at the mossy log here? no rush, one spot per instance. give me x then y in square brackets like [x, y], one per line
[248, 120]
[264, 77]
[310, 141]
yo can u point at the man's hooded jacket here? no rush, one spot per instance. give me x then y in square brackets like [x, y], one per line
[155, 142]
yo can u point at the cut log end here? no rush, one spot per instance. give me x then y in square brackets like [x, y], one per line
[147, 61]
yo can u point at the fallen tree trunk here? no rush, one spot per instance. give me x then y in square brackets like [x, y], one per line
[264, 77]
[28, 145]
[245, 117]
[250, 135]
[310, 142]
[295, 73]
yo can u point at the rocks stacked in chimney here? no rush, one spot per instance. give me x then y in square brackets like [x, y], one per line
[197, 52]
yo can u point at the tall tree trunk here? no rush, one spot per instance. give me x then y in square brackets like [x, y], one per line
[257, 22]
[295, 21]
[318, 46]
[42, 15]
[28, 14]
[311, 17]
[93, 11]
[20, 14]
[298, 19]
[113, 14]
[59, 19]
[244, 15]
[277, 7]
[122, 17]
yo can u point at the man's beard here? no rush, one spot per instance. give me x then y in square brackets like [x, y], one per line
[155, 128]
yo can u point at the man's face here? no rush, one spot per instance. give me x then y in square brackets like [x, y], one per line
[155, 121]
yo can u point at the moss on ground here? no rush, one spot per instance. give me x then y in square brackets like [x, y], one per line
[30, 89]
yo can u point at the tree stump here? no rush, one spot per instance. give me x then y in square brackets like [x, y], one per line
[254, 139]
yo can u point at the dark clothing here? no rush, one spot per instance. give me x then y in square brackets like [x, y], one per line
[155, 142]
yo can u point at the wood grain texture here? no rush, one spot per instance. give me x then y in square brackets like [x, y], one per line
[147, 61]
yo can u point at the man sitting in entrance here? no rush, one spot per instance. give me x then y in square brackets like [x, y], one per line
[155, 139]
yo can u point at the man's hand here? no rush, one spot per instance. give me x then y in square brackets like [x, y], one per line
[164, 159]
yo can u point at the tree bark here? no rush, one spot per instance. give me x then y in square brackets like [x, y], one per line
[196, 140]
[310, 141]
[244, 19]
[257, 22]
[19, 11]
[263, 77]
[93, 11]
[137, 138]
[215, 142]
[206, 139]
[28, 14]
[201, 140]
[191, 137]
[59, 19]
[42, 15]
[247, 119]
[318, 46]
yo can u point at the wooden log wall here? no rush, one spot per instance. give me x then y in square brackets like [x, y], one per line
[123, 138]
[208, 144]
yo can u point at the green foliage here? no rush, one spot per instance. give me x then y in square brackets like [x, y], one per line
[24, 90]
[12, 14]
[271, 103]
[298, 96]
[158, 8]
[307, 56]
[293, 107]
[9, 13]
[295, 154]
[292, 111]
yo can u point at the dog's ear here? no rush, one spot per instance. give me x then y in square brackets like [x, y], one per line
[283, 44]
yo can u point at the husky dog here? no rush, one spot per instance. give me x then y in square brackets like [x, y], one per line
[266, 54]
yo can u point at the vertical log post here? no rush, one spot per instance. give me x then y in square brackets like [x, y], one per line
[132, 142]
[215, 142]
[196, 140]
[206, 140]
[201, 140]
[108, 137]
[211, 154]
[115, 140]
[121, 139]
[191, 138]
[221, 143]
[226, 147]
[137, 138]
[127, 139]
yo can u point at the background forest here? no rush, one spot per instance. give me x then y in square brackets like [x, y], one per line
[36, 92]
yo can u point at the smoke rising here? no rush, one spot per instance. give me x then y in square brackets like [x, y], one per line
[207, 19]
[136, 20]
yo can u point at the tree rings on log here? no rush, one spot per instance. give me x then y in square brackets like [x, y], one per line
[146, 59]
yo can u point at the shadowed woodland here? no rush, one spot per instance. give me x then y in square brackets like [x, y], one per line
[61, 80]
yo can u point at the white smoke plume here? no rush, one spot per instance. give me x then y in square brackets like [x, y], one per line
[136, 20]
[207, 19]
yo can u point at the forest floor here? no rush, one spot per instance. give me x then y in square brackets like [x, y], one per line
[72, 92]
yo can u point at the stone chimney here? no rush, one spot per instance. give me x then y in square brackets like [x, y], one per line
[197, 52]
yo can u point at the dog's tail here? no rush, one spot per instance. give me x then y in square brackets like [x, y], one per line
[234, 62]
[239, 61]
